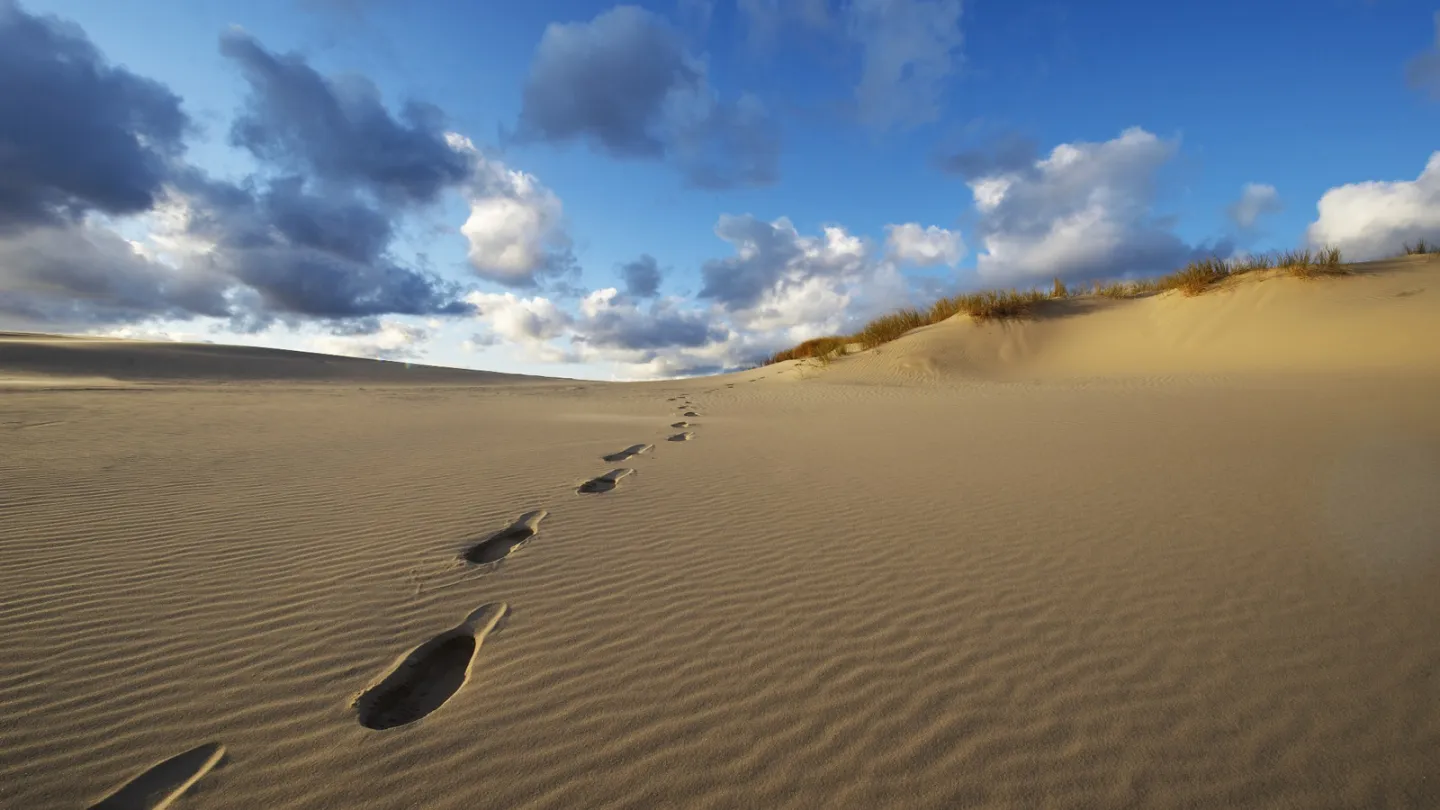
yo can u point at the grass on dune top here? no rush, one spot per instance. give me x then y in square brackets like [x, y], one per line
[1193, 279]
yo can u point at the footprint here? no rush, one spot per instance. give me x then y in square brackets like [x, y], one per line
[505, 542]
[679, 424]
[690, 413]
[632, 450]
[164, 781]
[682, 437]
[604, 483]
[429, 675]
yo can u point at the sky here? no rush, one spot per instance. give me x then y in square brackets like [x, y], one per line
[580, 189]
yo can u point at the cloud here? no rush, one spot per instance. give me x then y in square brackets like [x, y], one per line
[76, 134]
[1256, 200]
[520, 320]
[1084, 211]
[924, 246]
[1374, 219]
[388, 340]
[516, 227]
[642, 276]
[337, 129]
[276, 246]
[908, 50]
[1423, 71]
[611, 321]
[304, 254]
[83, 276]
[1008, 152]
[624, 83]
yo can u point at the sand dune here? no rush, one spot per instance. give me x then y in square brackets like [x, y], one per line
[56, 360]
[1028, 565]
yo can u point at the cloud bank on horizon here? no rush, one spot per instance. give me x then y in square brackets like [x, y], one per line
[109, 225]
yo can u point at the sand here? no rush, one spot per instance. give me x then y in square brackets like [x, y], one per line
[1047, 564]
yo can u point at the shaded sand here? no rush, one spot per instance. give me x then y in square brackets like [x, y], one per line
[1067, 582]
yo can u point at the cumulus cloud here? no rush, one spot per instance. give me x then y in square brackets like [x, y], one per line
[76, 133]
[1374, 219]
[924, 246]
[1423, 72]
[338, 130]
[642, 276]
[908, 49]
[1084, 211]
[612, 321]
[516, 227]
[625, 83]
[1256, 200]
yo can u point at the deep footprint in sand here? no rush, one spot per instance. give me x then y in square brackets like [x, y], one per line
[165, 781]
[682, 437]
[431, 674]
[679, 424]
[604, 483]
[690, 414]
[629, 452]
[507, 541]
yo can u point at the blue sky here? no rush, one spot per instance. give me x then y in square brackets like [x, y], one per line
[944, 145]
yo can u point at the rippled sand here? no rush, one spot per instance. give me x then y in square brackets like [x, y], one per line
[964, 571]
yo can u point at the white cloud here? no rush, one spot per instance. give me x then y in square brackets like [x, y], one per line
[394, 340]
[1256, 200]
[924, 246]
[1374, 219]
[516, 225]
[1083, 211]
[520, 320]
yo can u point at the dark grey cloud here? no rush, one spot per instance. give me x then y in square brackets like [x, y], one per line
[338, 130]
[642, 276]
[312, 255]
[1009, 152]
[662, 327]
[81, 276]
[738, 281]
[624, 83]
[1423, 72]
[76, 133]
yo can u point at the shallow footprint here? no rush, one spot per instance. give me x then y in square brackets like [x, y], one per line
[632, 450]
[690, 413]
[164, 781]
[604, 483]
[682, 437]
[679, 424]
[431, 674]
[505, 542]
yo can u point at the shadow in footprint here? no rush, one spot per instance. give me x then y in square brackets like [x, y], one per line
[682, 437]
[163, 782]
[507, 541]
[604, 483]
[679, 424]
[629, 452]
[690, 413]
[431, 674]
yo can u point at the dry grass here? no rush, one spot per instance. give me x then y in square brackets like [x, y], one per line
[1193, 279]
[1420, 247]
[815, 347]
